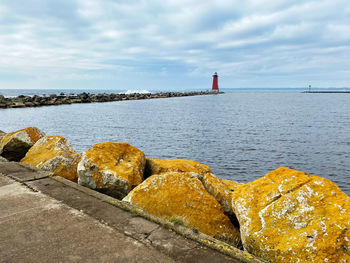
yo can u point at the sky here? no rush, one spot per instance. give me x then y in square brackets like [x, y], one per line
[173, 44]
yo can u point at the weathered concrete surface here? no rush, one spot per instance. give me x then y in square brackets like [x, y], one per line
[37, 228]
[44, 220]
[21, 172]
[5, 181]
[2, 159]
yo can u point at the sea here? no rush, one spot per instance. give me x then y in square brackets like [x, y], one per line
[241, 134]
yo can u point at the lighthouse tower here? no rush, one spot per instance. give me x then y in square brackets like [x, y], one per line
[215, 82]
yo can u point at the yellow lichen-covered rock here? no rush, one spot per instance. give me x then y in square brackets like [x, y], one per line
[221, 189]
[2, 135]
[15, 145]
[113, 168]
[231, 185]
[291, 216]
[55, 154]
[182, 196]
[156, 166]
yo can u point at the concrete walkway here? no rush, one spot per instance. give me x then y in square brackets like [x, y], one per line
[43, 219]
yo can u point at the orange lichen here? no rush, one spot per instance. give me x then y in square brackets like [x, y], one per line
[69, 170]
[16, 144]
[55, 154]
[34, 134]
[2, 135]
[182, 196]
[230, 185]
[109, 164]
[291, 216]
[156, 166]
[221, 189]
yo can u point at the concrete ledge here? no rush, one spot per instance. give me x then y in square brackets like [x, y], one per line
[37, 228]
[20, 172]
[184, 231]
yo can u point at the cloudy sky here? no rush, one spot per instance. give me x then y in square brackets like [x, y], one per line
[174, 44]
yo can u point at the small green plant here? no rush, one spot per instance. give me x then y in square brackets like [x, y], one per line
[134, 212]
[176, 221]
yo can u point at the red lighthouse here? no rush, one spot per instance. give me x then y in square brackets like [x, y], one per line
[215, 82]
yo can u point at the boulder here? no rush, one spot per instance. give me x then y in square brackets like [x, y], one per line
[291, 216]
[29, 104]
[54, 154]
[112, 168]
[2, 159]
[18, 105]
[15, 145]
[221, 190]
[231, 185]
[182, 198]
[2, 135]
[156, 166]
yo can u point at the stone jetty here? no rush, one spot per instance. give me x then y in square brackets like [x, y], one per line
[54, 99]
[284, 216]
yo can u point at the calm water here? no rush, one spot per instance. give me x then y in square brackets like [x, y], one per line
[240, 135]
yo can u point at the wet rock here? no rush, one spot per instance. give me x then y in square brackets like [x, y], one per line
[182, 198]
[54, 154]
[291, 216]
[15, 145]
[112, 168]
[157, 166]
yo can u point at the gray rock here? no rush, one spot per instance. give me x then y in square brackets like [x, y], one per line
[18, 143]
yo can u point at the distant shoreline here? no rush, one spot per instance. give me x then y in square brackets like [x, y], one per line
[23, 101]
[327, 91]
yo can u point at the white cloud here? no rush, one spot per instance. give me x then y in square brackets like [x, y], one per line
[239, 39]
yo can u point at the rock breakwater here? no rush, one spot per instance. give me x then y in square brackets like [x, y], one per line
[53, 99]
[284, 216]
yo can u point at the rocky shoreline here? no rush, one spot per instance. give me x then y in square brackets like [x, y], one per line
[54, 99]
[284, 216]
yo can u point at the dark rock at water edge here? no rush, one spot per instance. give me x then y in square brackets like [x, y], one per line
[22, 101]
